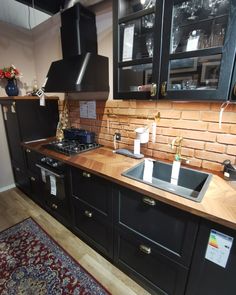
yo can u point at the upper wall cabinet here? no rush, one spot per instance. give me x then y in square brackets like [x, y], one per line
[174, 49]
[137, 26]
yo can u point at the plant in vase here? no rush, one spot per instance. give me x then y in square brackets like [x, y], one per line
[10, 74]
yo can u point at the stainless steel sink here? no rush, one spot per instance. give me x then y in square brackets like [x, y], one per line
[192, 184]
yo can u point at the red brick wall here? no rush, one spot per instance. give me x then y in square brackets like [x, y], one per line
[204, 142]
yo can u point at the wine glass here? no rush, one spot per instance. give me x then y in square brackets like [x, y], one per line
[149, 46]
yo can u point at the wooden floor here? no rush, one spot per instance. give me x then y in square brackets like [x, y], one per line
[15, 206]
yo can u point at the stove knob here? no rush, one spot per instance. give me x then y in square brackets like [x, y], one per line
[43, 160]
[55, 164]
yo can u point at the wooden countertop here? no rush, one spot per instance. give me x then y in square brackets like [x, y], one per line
[9, 98]
[218, 204]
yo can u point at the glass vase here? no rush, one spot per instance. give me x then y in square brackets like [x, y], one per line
[11, 87]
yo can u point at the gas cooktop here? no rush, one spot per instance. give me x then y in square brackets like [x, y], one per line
[71, 147]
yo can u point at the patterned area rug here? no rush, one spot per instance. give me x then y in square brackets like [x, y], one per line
[32, 263]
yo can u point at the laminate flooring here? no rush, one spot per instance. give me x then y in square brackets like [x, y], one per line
[16, 206]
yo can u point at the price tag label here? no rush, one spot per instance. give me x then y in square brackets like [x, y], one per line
[53, 184]
[218, 248]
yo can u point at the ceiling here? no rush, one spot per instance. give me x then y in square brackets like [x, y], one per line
[54, 6]
[47, 6]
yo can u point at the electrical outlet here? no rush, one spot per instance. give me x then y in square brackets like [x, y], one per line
[118, 136]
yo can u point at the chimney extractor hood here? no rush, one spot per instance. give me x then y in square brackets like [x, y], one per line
[81, 69]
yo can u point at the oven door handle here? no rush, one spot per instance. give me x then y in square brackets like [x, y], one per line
[50, 172]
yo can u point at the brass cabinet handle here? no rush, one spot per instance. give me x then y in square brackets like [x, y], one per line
[149, 201]
[32, 178]
[13, 107]
[163, 88]
[145, 249]
[88, 213]
[153, 89]
[54, 206]
[234, 90]
[28, 150]
[86, 174]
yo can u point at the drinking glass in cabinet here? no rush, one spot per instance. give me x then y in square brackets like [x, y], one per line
[149, 45]
[127, 7]
[148, 21]
[136, 40]
[198, 24]
[194, 73]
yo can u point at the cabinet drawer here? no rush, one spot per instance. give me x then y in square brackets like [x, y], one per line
[37, 188]
[21, 179]
[172, 230]
[93, 227]
[138, 257]
[92, 189]
[32, 158]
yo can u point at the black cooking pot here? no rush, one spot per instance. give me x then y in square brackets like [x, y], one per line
[81, 135]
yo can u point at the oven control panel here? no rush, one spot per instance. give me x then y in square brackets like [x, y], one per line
[51, 162]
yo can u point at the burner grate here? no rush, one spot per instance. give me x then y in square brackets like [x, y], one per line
[71, 147]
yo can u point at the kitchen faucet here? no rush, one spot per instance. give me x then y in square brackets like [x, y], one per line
[177, 142]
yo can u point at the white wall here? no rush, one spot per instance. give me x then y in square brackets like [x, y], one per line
[32, 51]
[6, 176]
[16, 47]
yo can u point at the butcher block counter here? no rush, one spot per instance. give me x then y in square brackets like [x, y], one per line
[218, 204]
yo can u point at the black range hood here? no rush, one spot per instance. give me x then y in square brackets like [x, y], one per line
[81, 70]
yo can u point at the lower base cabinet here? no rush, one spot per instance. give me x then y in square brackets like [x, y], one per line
[207, 277]
[92, 208]
[154, 242]
[91, 226]
[140, 259]
[21, 179]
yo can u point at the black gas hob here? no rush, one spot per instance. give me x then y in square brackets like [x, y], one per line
[71, 147]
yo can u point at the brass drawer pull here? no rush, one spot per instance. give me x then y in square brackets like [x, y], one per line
[149, 201]
[88, 213]
[163, 88]
[145, 249]
[86, 174]
[234, 90]
[54, 206]
[32, 178]
[153, 89]
[28, 150]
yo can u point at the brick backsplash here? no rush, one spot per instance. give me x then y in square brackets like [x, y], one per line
[204, 143]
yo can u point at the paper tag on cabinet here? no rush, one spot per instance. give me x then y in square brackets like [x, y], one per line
[218, 248]
[53, 185]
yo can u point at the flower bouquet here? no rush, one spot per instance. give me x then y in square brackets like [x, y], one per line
[10, 73]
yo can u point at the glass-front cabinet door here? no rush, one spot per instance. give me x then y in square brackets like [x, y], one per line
[135, 23]
[199, 40]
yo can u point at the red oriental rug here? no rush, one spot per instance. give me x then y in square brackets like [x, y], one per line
[32, 263]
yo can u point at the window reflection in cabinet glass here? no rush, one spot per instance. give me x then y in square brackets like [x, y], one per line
[136, 38]
[133, 77]
[127, 7]
[198, 24]
[199, 73]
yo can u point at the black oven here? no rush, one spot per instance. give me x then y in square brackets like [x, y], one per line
[54, 177]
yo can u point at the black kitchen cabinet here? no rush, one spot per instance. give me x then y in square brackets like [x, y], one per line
[37, 190]
[207, 277]
[135, 27]
[26, 120]
[153, 241]
[92, 198]
[192, 52]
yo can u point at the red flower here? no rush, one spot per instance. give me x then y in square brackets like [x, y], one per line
[8, 75]
[9, 72]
